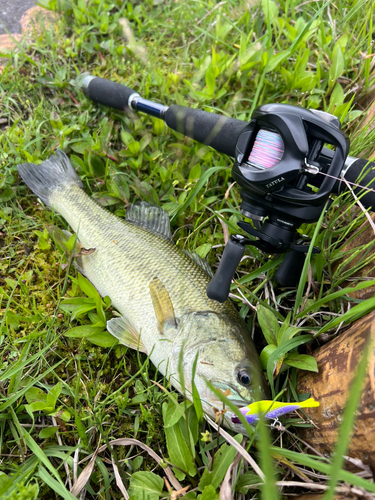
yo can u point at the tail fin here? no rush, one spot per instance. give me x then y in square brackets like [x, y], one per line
[53, 173]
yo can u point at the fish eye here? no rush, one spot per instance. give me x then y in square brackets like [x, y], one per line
[244, 377]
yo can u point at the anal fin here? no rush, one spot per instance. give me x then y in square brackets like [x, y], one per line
[122, 329]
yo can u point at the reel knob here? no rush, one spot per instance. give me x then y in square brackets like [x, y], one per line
[219, 286]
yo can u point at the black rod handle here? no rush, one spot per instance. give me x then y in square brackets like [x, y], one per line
[217, 131]
[352, 173]
[111, 94]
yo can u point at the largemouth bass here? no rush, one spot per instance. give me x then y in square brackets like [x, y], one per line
[159, 290]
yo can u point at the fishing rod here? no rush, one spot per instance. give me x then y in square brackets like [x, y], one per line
[287, 161]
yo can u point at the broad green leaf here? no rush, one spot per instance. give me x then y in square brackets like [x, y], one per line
[6, 195]
[47, 432]
[144, 142]
[54, 393]
[271, 10]
[77, 310]
[210, 80]
[174, 411]
[277, 59]
[5, 482]
[265, 355]
[83, 331]
[134, 147]
[103, 339]
[195, 172]
[288, 334]
[280, 352]
[145, 484]
[80, 147]
[223, 459]
[87, 287]
[337, 97]
[158, 126]
[36, 395]
[190, 428]
[203, 250]
[269, 324]
[301, 361]
[61, 414]
[41, 406]
[209, 493]
[338, 64]
[178, 450]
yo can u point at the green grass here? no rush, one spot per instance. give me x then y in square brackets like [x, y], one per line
[67, 391]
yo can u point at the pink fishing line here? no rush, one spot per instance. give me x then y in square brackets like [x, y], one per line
[268, 149]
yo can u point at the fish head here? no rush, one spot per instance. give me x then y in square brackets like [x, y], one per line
[226, 359]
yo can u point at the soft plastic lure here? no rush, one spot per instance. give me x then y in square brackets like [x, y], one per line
[271, 409]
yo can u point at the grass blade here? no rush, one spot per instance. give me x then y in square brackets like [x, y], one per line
[314, 463]
[202, 181]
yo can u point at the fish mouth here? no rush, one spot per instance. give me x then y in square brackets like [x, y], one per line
[235, 398]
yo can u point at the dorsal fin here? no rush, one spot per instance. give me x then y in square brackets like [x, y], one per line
[200, 262]
[150, 217]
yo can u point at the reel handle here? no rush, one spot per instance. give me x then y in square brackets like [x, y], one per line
[219, 286]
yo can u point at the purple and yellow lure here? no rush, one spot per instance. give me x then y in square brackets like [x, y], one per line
[271, 409]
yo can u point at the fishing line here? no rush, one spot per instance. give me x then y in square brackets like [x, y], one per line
[342, 179]
[268, 149]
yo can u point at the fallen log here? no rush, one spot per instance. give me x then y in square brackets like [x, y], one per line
[337, 362]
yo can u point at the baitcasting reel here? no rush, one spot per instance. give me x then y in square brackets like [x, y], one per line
[279, 156]
[287, 162]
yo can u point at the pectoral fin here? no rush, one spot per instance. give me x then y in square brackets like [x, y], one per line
[162, 305]
[125, 333]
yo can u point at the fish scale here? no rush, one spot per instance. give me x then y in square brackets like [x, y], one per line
[159, 291]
